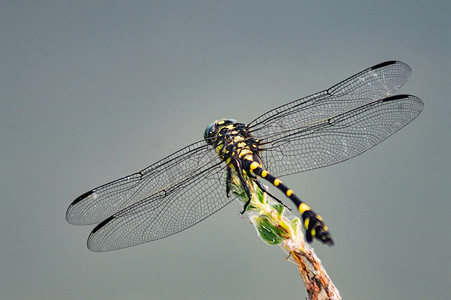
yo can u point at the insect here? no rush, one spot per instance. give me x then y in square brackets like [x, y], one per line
[191, 184]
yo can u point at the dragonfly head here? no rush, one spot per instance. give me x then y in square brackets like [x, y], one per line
[212, 130]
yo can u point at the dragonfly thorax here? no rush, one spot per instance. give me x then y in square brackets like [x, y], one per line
[231, 140]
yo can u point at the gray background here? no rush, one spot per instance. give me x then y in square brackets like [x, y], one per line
[91, 91]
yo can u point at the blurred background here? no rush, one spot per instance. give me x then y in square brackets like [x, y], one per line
[91, 91]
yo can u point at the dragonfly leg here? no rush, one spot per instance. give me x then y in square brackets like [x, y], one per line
[228, 180]
[248, 192]
[265, 189]
[243, 184]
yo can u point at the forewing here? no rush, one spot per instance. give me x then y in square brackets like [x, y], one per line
[371, 84]
[106, 200]
[338, 138]
[164, 213]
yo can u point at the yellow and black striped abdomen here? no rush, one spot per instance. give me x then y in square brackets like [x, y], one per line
[313, 223]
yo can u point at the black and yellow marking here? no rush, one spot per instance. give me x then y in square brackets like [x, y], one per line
[235, 145]
[313, 223]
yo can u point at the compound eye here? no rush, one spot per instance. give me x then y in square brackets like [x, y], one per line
[208, 134]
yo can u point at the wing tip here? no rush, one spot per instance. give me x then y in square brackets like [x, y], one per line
[395, 97]
[71, 214]
[384, 64]
[402, 97]
[83, 196]
[402, 67]
[101, 224]
[90, 244]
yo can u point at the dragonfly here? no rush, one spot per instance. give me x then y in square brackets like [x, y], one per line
[193, 183]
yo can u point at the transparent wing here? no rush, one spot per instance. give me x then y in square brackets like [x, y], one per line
[165, 212]
[106, 200]
[338, 138]
[369, 85]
